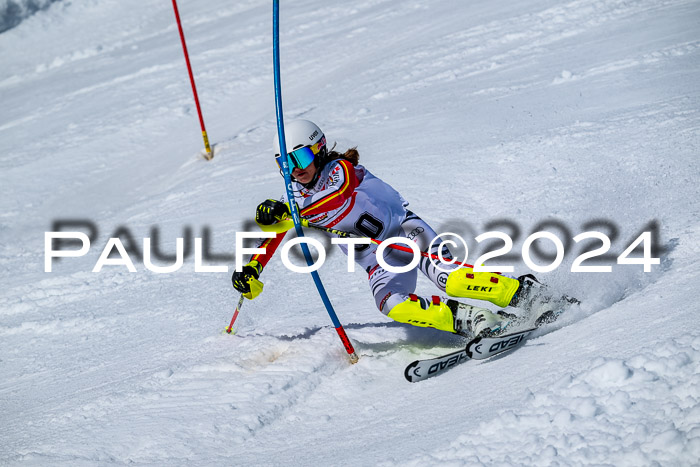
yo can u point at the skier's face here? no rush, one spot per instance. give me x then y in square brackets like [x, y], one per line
[304, 176]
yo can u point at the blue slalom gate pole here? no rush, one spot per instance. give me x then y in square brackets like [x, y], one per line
[288, 185]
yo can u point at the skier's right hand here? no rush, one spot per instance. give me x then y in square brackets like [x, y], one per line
[246, 281]
[271, 211]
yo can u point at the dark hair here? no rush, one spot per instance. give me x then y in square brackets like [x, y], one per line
[350, 155]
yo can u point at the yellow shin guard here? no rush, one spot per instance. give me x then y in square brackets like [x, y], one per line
[438, 315]
[493, 288]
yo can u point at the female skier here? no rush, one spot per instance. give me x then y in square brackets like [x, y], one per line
[332, 190]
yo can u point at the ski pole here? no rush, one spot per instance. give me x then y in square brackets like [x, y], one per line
[235, 315]
[209, 155]
[344, 234]
[288, 184]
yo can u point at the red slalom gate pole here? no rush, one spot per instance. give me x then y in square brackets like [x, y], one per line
[209, 154]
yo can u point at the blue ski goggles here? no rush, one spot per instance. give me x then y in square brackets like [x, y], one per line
[303, 157]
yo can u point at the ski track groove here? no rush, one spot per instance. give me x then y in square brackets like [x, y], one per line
[260, 366]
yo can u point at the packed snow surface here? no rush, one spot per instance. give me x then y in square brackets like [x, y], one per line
[518, 116]
[13, 12]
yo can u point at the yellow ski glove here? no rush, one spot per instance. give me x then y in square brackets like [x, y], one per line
[246, 281]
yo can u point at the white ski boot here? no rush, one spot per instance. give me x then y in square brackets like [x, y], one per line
[472, 321]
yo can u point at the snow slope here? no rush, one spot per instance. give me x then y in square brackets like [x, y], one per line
[482, 115]
[13, 12]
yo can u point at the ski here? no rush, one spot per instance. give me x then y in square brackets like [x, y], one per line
[539, 301]
[424, 369]
[476, 349]
[485, 347]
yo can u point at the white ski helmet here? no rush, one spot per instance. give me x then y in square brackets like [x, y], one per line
[300, 134]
